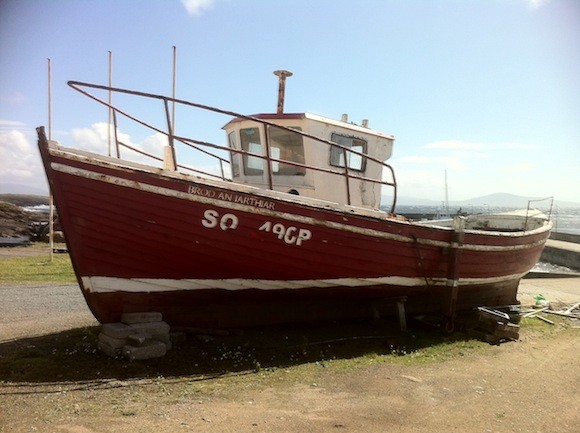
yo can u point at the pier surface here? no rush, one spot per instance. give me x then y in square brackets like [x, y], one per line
[564, 250]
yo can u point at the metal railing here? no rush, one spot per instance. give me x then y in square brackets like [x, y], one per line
[201, 146]
[551, 198]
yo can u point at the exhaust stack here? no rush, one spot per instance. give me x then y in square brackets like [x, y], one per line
[281, 88]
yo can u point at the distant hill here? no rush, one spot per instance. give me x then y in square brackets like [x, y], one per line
[498, 200]
[511, 201]
[413, 201]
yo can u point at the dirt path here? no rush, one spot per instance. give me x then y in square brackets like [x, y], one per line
[509, 388]
[30, 310]
[527, 386]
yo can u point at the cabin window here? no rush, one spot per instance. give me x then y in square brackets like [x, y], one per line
[354, 161]
[250, 140]
[235, 157]
[288, 146]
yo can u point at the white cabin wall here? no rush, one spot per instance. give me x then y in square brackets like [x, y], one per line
[322, 185]
[332, 187]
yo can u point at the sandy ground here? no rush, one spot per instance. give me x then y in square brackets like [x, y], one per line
[531, 385]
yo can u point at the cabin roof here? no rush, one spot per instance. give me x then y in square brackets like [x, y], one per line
[299, 116]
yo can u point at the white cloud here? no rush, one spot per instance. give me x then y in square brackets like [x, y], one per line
[20, 160]
[520, 166]
[196, 7]
[96, 139]
[513, 146]
[16, 98]
[456, 145]
[459, 154]
[536, 4]
[11, 125]
[474, 168]
[447, 161]
[13, 144]
[474, 145]
[423, 183]
[153, 143]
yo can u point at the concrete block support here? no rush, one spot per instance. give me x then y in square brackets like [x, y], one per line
[150, 349]
[116, 330]
[152, 328]
[142, 336]
[138, 339]
[115, 343]
[108, 350]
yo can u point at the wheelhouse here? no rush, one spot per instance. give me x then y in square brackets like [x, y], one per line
[302, 153]
[295, 153]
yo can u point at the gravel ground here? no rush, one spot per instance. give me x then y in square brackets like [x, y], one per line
[30, 310]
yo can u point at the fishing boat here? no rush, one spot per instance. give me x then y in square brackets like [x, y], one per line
[293, 231]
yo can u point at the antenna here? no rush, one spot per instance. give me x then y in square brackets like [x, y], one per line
[282, 74]
[51, 198]
[173, 93]
[110, 100]
[446, 195]
[169, 159]
[49, 101]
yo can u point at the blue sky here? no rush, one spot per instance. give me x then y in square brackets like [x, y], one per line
[488, 90]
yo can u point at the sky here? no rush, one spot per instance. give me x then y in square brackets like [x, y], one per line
[485, 90]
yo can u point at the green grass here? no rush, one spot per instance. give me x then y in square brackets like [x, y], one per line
[37, 269]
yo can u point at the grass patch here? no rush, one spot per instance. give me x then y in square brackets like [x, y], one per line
[268, 355]
[257, 358]
[37, 269]
[535, 327]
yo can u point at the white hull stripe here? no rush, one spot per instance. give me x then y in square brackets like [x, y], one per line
[148, 285]
[275, 214]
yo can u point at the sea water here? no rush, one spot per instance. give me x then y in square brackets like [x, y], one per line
[565, 219]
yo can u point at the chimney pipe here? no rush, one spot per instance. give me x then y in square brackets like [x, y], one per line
[281, 88]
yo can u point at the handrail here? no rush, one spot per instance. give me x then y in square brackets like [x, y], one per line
[551, 198]
[170, 134]
[185, 167]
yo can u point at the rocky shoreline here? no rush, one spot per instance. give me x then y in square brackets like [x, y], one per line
[16, 222]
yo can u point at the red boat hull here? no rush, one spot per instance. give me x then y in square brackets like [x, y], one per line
[211, 253]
